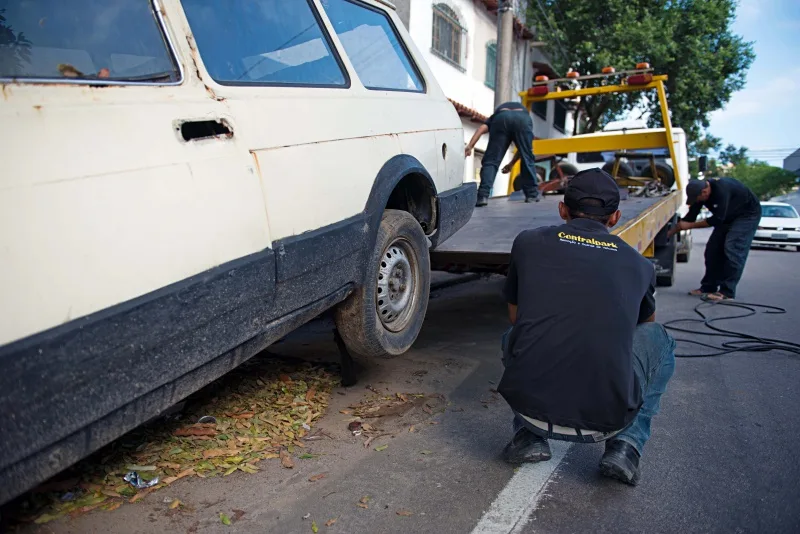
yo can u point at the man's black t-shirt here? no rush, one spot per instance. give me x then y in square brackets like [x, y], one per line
[729, 200]
[507, 106]
[580, 293]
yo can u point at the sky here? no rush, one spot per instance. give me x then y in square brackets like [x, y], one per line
[765, 115]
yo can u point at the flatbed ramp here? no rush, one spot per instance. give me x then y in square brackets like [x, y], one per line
[484, 243]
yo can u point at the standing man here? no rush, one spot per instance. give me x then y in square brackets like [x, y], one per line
[736, 213]
[585, 360]
[510, 122]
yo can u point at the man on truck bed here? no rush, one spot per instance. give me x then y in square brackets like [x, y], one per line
[585, 361]
[509, 123]
[736, 213]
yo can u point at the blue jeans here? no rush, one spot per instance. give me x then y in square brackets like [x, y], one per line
[510, 127]
[654, 363]
[726, 253]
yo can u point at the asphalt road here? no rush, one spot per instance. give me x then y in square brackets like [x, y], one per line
[722, 457]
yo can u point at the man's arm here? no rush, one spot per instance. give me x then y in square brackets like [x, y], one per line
[647, 309]
[686, 225]
[507, 168]
[512, 313]
[472, 142]
[510, 288]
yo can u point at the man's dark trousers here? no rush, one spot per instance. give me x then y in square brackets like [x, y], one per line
[726, 254]
[508, 127]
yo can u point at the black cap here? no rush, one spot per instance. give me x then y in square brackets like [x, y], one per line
[693, 189]
[595, 184]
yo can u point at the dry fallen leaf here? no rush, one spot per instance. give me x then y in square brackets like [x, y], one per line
[285, 379]
[310, 394]
[404, 513]
[169, 465]
[286, 460]
[174, 504]
[331, 522]
[214, 453]
[245, 415]
[317, 477]
[362, 502]
[381, 448]
[195, 430]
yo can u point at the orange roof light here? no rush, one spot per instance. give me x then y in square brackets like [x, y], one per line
[539, 90]
[573, 74]
[608, 70]
[643, 65]
[541, 78]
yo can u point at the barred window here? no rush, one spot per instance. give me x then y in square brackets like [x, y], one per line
[447, 34]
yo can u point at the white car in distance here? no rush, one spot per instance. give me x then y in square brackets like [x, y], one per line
[779, 226]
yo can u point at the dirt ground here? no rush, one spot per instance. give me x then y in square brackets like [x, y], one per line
[394, 401]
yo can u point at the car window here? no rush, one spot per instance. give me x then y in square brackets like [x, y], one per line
[590, 157]
[263, 42]
[103, 41]
[373, 46]
[783, 212]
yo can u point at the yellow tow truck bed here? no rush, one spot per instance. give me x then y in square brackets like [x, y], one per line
[484, 243]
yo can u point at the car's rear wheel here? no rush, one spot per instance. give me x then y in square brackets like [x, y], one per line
[384, 316]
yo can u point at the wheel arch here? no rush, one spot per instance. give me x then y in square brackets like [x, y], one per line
[403, 183]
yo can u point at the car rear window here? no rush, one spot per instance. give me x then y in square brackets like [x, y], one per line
[373, 46]
[263, 42]
[96, 41]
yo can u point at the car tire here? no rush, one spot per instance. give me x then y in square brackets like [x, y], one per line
[665, 174]
[623, 171]
[384, 316]
[567, 169]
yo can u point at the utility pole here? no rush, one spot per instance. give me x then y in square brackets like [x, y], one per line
[505, 48]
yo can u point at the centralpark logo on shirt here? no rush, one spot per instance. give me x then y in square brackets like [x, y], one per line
[586, 241]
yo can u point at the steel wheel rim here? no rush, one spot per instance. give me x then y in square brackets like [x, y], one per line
[396, 285]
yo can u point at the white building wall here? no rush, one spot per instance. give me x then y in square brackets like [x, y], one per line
[466, 85]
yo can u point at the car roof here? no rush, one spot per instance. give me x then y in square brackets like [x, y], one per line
[775, 204]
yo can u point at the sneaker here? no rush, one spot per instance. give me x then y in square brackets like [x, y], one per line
[482, 201]
[620, 461]
[525, 447]
[537, 198]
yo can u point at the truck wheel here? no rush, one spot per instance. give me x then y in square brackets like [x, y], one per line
[384, 316]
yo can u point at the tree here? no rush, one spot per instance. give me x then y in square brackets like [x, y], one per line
[689, 40]
[763, 179]
[733, 155]
[15, 49]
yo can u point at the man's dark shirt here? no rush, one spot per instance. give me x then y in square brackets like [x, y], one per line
[508, 106]
[580, 293]
[729, 200]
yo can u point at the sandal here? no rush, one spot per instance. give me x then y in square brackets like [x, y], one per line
[716, 296]
[698, 293]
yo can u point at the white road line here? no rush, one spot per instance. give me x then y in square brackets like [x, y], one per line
[514, 505]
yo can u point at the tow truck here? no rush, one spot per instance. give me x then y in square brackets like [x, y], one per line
[650, 204]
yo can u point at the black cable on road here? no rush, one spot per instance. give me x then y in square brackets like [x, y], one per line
[741, 341]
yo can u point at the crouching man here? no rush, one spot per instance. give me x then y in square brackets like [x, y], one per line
[585, 360]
